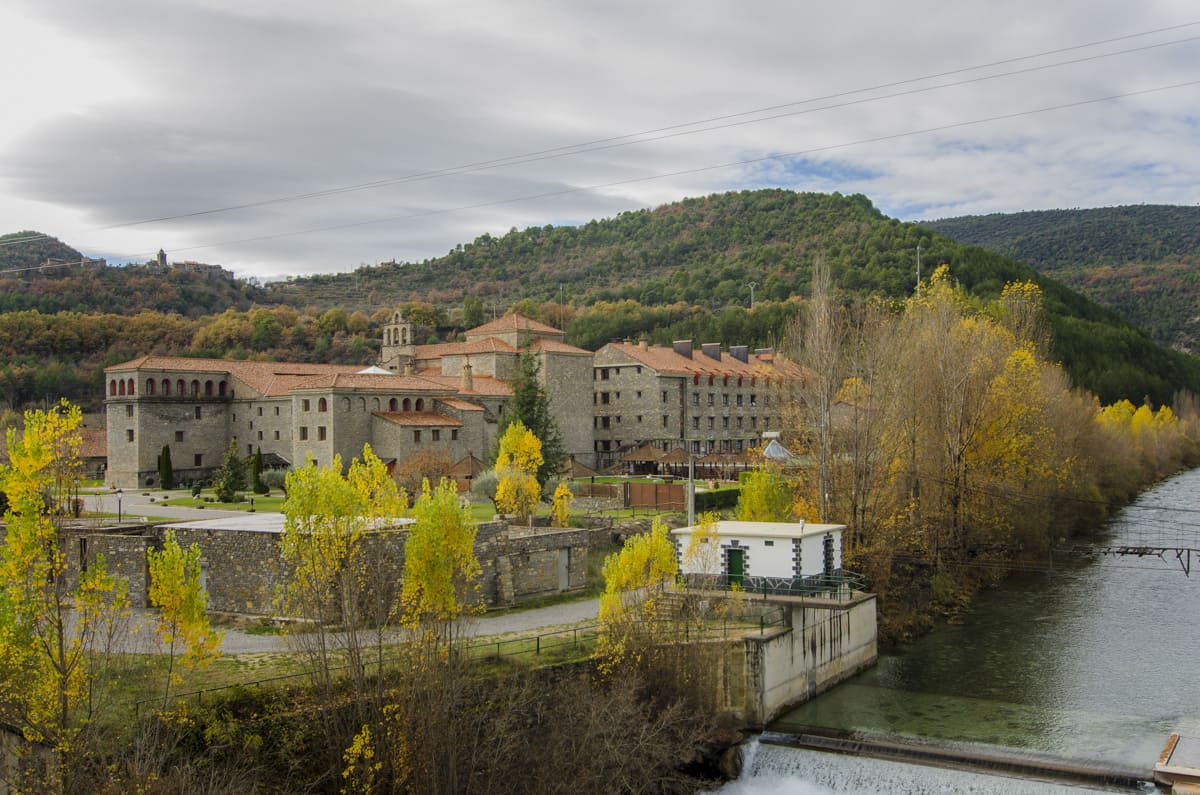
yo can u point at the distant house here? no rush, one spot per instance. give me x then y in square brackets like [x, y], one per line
[757, 556]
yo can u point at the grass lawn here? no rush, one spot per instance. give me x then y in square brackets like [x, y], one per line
[270, 504]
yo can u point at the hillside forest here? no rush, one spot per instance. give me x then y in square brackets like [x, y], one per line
[686, 270]
[1141, 260]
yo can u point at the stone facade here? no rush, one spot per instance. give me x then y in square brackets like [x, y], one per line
[711, 401]
[446, 396]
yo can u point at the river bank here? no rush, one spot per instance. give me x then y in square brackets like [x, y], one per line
[1090, 661]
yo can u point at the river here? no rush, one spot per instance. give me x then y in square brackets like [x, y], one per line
[1095, 662]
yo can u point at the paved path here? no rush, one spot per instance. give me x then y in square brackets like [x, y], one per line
[142, 640]
[136, 504]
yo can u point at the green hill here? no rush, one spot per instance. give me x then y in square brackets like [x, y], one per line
[39, 272]
[707, 251]
[1143, 260]
[682, 270]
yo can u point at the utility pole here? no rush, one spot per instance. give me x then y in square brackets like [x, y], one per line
[752, 286]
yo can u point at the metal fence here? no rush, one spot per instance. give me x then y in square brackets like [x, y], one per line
[840, 586]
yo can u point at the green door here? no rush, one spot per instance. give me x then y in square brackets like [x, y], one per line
[735, 565]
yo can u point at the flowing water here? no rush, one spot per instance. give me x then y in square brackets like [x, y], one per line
[1095, 662]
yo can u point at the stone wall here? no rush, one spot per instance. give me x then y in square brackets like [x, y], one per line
[242, 569]
[24, 766]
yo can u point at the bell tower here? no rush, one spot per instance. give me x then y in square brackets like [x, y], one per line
[398, 349]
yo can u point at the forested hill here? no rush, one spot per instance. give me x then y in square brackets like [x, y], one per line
[707, 252]
[39, 272]
[682, 270]
[1141, 260]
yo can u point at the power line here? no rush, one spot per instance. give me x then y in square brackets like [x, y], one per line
[674, 130]
[698, 169]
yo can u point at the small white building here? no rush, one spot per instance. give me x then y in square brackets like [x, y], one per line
[776, 556]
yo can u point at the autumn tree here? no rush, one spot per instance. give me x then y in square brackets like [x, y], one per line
[765, 496]
[530, 406]
[431, 464]
[55, 631]
[339, 549]
[183, 623]
[635, 580]
[560, 505]
[517, 463]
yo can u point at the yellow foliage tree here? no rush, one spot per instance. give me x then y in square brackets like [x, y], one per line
[520, 455]
[765, 497]
[561, 505]
[54, 634]
[634, 581]
[176, 591]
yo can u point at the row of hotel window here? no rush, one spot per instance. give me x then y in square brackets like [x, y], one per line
[126, 387]
[119, 387]
[604, 398]
[698, 446]
[435, 435]
[608, 422]
[602, 374]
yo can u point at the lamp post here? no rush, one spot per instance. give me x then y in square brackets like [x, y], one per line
[120, 493]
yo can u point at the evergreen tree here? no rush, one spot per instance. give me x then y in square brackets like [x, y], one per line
[256, 482]
[166, 474]
[530, 406]
[231, 476]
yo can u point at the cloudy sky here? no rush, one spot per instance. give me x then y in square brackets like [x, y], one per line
[279, 138]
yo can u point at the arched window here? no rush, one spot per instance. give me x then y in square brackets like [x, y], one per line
[208, 388]
[407, 404]
[725, 382]
[696, 379]
[374, 404]
[420, 404]
[131, 389]
[710, 380]
[392, 404]
[181, 387]
[362, 404]
[345, 404]
[221, 388]
[322, 405]
[112, 387]
[166, 386]
[121, 387]
[195, 387]
[403, 336]
[149, 386]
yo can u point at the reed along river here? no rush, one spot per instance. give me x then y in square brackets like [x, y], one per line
[1096, 663]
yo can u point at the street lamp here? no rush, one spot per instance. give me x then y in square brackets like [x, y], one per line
[752, 286]
[120, 493]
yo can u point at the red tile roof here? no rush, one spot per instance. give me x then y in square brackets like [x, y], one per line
[513, 322]
[421, 419]
[438, 350]
[666, 360]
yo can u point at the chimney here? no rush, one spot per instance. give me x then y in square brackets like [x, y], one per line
[468, 382]
[683, 348]
[643, 344]
[740, 352]
[408, 368]
[711, 349]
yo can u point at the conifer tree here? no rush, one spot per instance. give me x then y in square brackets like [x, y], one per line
[530, 406]
[166, 474]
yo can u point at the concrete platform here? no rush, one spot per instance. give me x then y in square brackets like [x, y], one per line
[1178, 765]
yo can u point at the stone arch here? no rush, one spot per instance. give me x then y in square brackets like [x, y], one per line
[166, 387]
[407, 404]
[112, 387]
[121, 387]
[392, 404]
[362, 404]
[195, 387]
[375, 404]
[222, 388]
[181, 387]
[420, 404]
[208, 388]
[131, 388]
[149, 386]
[322, 405]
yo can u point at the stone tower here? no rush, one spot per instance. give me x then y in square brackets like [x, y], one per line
[398, 348]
